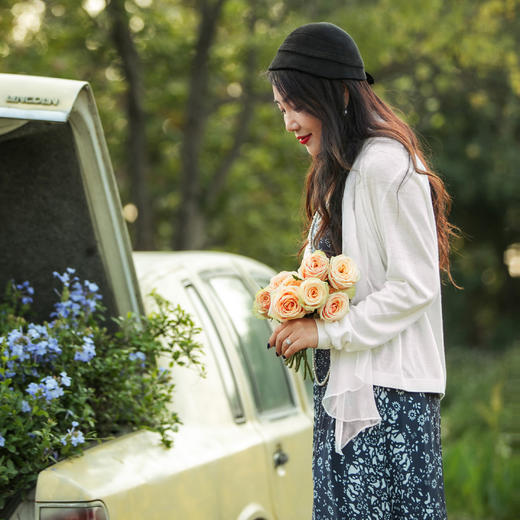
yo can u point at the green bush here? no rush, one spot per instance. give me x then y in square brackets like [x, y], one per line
[480, 435]
[70, 381]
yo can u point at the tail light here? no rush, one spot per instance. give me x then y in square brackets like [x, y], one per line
[86, 511]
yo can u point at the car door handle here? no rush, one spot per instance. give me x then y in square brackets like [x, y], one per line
[280, 457]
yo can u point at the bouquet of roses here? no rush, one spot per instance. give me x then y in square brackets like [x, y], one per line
[321, 288]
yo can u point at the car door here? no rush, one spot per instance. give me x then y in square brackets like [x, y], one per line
[258, 277]
[279, 416]
[213, 407]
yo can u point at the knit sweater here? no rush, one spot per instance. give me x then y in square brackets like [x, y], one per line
[392, 335]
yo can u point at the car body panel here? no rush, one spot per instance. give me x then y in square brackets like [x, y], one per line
[217, 467]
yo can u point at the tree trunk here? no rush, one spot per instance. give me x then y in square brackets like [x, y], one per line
[241, 125]
[190, 226]
[137, 155]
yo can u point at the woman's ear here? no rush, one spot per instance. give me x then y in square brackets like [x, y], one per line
[347, 96]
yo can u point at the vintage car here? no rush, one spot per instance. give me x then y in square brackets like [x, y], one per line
[244, 449]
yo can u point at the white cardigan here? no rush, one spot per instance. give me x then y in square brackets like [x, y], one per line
[392, 335]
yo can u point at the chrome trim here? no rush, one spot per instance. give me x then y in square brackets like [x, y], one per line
[55, 116]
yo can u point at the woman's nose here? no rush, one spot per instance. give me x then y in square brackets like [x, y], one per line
[291, 125]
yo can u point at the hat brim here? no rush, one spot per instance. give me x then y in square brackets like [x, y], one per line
[320, 67]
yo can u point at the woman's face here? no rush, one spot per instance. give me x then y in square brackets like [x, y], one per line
[306, 128]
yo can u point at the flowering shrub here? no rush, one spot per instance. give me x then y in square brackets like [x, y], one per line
[70, 381]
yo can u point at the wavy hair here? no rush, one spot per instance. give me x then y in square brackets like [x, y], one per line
[341, 141]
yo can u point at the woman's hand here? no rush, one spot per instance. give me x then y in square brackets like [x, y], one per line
[294, 335]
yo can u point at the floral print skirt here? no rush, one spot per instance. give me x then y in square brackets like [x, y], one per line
[392, 471]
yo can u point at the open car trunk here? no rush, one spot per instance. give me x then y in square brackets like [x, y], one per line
[59, 204]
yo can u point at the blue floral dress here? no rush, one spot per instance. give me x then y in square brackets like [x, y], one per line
[392, 471]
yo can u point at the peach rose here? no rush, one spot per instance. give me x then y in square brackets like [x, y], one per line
[292, 280]
[285, 304]
[343, 272]
[316, 265]
[335, 308]
[313, 293]
[277, 279]
[262, 302]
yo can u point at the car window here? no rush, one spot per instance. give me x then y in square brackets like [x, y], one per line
[260, 279]
[263, 281]
[266, 372]
[228, 379]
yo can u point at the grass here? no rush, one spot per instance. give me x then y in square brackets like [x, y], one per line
[481, 437]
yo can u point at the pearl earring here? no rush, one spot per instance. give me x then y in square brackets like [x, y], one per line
[345, 111]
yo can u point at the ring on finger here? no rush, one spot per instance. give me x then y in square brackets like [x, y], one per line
[288, 342]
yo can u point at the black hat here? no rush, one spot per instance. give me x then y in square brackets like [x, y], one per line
[321, 49]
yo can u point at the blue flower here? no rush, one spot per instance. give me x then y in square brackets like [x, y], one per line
[77, 438]
[2, 441]
[137, 355]
[53, 347]
[133, 356]
[65, 277]
[36, 343]
[18, 344]
[73, 436]
[65, 379]
[25, 286]
[51, 389]
[48, 387]
[91, 286]
[88, 351]
[26, 292]
[25, 406]
[82, 298]
[33, 389]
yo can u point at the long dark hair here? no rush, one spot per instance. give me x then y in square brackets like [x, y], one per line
[341, 141]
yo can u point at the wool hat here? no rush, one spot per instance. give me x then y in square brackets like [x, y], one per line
[321, 49]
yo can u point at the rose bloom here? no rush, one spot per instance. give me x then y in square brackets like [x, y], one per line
[343, 272]
[292, 281]
[262, 302]
[335, 308]
[313, 293]
[316, 265]
[285, 304]
[277, 279]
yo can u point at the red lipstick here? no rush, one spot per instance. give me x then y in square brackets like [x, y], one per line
[304, 139]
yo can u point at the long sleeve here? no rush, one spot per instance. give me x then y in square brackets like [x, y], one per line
[399, 207]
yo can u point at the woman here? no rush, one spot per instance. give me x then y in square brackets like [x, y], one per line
[380, 371]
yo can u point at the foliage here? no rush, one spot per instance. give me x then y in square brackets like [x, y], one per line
[480, 435]
[70, 381]
[451, 67]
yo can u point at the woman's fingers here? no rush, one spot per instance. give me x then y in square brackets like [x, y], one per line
[293, 348]
[278, 335]
[282, 337]
[292, 336]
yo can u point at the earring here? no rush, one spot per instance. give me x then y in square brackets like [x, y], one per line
[345, 112]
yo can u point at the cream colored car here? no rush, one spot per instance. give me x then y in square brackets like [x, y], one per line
[244, 449]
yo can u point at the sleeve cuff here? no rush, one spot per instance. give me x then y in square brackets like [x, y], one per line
[323, 338]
